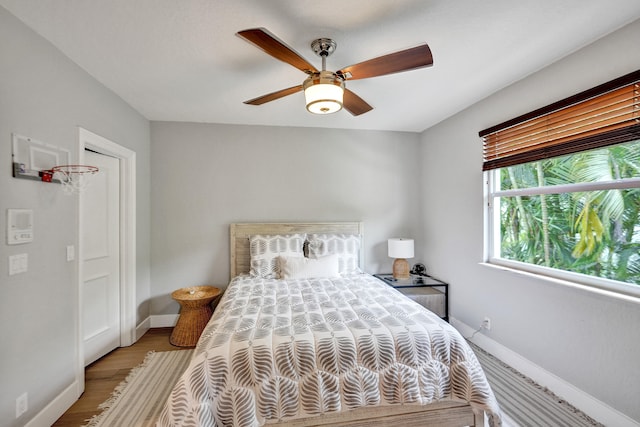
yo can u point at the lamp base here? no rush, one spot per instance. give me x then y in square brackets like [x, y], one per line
[400, 268]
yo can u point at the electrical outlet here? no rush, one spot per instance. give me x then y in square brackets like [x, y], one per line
[486, 324]
[22, 404]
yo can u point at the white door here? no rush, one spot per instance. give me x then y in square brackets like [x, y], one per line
[100, 256]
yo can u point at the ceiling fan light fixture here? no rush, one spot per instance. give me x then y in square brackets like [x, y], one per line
[323, 93]
[324, 90]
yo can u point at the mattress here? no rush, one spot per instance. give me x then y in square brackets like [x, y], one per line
[279, 350]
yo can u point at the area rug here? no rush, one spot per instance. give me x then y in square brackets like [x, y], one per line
[138, 400]
[523, 401]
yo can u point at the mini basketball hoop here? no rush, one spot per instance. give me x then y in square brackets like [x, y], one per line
[74, 178]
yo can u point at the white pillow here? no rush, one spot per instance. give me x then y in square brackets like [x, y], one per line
[346, 246]
[307, 268]
[264, 249]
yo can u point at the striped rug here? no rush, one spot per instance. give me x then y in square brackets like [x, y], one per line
[138, 400]
[524, 402]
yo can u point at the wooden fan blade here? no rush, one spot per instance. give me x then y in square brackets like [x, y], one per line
[354, 104]
[276, 48]
[403, 60]
[274, 95]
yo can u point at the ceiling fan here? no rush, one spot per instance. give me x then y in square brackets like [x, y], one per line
[325, 91]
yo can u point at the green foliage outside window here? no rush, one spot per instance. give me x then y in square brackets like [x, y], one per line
[590, 232]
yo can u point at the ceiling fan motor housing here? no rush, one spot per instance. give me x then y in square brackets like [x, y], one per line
[323, 78]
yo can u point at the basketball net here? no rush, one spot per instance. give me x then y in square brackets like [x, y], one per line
[74, 178]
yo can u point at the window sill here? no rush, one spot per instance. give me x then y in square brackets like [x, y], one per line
[597, 286]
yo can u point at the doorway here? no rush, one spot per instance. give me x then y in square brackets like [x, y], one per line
[126, 160]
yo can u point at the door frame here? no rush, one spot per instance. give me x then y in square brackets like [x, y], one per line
[101, 145]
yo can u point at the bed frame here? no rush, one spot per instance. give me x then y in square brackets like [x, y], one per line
[444, 413]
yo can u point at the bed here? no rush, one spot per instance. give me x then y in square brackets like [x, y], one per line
[302, 337]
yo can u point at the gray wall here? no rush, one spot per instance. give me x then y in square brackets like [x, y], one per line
[46, 97]
[207, 176]
[590, 340]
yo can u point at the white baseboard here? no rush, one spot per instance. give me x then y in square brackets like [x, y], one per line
[59, 405]
[588, 404]
[164, 320]
[54, 410]
[142, 328]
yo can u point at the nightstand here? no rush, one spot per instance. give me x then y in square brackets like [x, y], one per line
[195, 312]
[429, 292]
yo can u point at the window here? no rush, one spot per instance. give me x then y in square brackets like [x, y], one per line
[564, 188]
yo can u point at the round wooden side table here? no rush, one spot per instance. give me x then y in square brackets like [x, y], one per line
[195, 312]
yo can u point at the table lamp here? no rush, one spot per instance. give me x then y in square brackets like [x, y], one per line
[400, 249]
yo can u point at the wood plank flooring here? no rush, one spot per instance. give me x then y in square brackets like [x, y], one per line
[102, 376]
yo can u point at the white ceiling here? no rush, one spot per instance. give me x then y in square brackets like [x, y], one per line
[180, 60]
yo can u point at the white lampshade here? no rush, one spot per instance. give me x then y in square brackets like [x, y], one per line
[324, 98]
[399, 247]
[323, 93]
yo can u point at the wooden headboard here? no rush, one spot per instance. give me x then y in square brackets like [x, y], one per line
[239, 237]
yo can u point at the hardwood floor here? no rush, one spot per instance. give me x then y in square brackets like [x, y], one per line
[102, 376]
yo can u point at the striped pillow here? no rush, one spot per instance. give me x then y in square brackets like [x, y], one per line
[345, 246]
[264, 249]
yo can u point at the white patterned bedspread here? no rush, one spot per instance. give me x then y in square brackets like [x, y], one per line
[276, 350]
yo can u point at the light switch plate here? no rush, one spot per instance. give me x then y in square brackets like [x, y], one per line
[18, 264]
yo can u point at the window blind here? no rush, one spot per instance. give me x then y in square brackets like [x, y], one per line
[605, 115]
